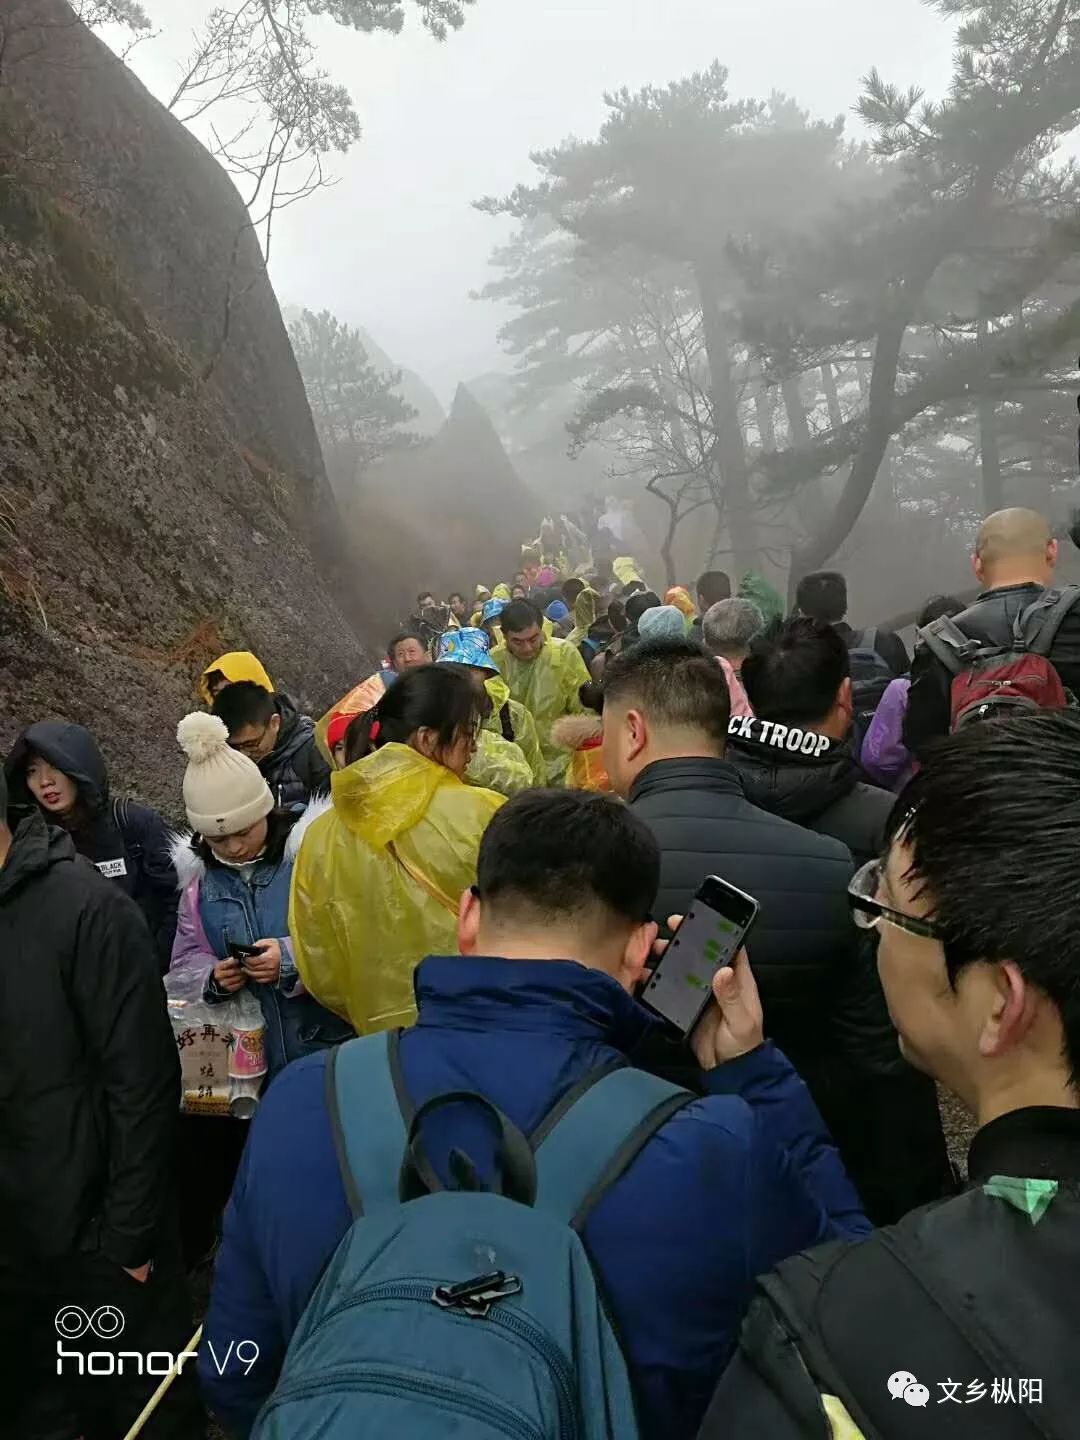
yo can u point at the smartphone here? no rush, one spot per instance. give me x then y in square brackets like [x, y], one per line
[710, 936]
[243, 953]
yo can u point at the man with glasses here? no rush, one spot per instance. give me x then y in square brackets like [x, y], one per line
[269, 730]
[978, 912]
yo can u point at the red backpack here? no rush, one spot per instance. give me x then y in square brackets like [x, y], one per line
[991, 680]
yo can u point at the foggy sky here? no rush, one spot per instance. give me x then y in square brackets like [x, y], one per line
[395, 246]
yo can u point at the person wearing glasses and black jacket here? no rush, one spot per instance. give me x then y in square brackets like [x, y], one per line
[966, 1304]
[268, 729]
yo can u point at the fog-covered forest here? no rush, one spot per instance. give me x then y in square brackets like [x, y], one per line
[782, 335]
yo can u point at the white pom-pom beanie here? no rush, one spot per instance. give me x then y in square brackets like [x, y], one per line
[224, 791]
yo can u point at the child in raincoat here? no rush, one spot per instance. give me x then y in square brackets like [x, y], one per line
[545, 675]
[508, 756]
[378, 879]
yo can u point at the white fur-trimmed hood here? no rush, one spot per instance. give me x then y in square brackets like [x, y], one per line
[190, 867]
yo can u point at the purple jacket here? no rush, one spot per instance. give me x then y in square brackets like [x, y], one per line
[884, 758]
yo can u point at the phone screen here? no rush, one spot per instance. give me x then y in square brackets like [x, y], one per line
[709, 938]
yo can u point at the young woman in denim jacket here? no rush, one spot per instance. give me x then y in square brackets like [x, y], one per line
[235, 872]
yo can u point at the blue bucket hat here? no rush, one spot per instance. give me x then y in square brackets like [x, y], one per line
[557, 612]
[466, 647]
[493, 609]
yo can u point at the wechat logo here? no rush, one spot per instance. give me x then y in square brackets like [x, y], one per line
[904, 1386]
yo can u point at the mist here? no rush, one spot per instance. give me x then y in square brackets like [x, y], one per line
[395, 247]
[790, 285]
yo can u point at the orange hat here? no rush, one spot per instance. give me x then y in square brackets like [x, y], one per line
[679, 596]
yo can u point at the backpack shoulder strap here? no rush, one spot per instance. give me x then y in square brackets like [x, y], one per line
[1041, 622]
[506, 720]
[948, 643]
[131, 836]
[370, 1114]
[598, 1137]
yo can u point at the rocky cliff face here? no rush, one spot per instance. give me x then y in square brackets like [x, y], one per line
[162, 494]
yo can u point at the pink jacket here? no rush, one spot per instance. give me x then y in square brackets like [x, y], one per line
[740, 705]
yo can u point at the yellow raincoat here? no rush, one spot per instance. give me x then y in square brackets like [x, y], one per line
[586, 608]
[679, 596]
[525, 736]
[627, 569]
[237, 665]
[377, 881]
[499, 765]
[547, 686]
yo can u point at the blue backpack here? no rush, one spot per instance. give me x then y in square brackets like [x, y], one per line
[466, 1312]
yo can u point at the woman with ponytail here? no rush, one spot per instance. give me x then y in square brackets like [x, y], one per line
[378, 879]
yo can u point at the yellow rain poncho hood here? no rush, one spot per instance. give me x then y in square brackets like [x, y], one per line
[376, 885]
[524, 726]
[586, 609]
[237, 665]
[548, 687]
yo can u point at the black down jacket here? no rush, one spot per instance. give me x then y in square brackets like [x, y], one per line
[811, 780]
[89, 1076]
[295, 769]
[129, 843]
[819, 988]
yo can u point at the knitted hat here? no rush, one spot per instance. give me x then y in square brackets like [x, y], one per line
[224, 791]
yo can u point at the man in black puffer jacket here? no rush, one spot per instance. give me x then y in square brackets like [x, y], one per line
[666, 714]
[89, 1097]
[60, 768]
[794, 756]
[270, 730]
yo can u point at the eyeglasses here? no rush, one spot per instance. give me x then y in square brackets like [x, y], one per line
[250, 748]
[869, 912]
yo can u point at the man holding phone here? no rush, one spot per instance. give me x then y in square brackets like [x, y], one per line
[555, 938]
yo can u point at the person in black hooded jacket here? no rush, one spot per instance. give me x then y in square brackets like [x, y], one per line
[270, 730]
[89, 1097]
[59, 768]
[795, 756]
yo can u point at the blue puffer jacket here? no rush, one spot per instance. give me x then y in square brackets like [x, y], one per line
[731, 1184]
[221, 907]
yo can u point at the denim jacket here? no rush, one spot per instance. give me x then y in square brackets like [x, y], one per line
[219, 907]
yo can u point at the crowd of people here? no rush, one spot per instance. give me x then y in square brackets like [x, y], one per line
[485, 1190]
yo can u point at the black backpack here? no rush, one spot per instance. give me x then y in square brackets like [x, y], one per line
[948, 1298]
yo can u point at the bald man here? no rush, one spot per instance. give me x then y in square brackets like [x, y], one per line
[1014, 560]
